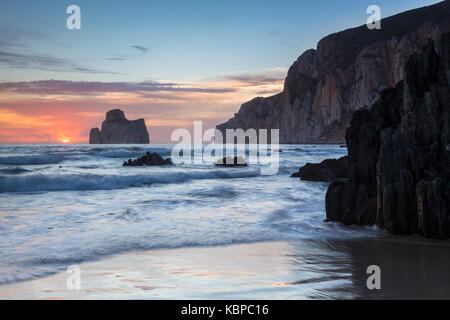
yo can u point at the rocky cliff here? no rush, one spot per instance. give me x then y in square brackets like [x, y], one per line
[399, 153]
[116, 129]
[344, 74]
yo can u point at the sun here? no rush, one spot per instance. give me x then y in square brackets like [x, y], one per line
[65, 140]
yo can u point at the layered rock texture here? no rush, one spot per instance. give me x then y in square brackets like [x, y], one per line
[399, 153]
[326, 171]
[344, 74]
[149, 159]
[116, 129]
[230, 162]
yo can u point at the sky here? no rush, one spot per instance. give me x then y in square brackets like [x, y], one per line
[169, 62]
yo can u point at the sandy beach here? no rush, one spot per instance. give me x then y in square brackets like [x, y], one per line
[412, 268]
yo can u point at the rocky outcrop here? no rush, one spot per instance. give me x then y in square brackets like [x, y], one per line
[256, 114]
[344, 74]
[326, 171]
[399, 154]
[230, 162]
[149, 159]
[116, 129]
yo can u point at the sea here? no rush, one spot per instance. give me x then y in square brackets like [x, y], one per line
[63, 205]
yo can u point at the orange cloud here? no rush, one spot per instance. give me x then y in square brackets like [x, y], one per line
[20, 128]
[63, 111]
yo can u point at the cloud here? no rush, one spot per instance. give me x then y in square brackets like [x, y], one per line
[117, 58]
[13, 37]
[124, 57]
[260, 77]
[61, 87]
[10, 118]
[15, 40]
[77, 106]
[44, 62]
[141, 49]
[53, 121]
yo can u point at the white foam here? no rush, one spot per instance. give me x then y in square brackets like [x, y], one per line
[32, 160]
[71, 182]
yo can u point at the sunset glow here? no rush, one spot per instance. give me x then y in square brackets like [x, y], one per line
[42, 120]
[56, 84]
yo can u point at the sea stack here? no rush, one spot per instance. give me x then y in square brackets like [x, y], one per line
[116, 129]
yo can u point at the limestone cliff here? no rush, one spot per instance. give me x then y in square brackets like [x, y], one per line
[399, 153]
[116, 129]
[344, 74]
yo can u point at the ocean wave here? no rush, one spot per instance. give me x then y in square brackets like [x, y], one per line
[116, 153]
[37, 266]
[16, 170]
[126, 152]
[215, 192]
[73, 182]
[32, 160]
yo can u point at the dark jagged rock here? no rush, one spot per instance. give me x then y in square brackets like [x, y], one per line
[334, 200]
[346, 72]
[230, 162]
[116, 129]
[296, 175]
[325, 171]
[149, 159]
[399, 153]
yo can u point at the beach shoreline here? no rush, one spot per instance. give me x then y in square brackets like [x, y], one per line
[411, 268]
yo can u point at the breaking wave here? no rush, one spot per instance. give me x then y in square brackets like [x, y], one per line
[32, 160]
[72, 182]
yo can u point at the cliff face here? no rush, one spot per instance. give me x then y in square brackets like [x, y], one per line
[344, 74]
[116, 129]
[257, 114]
[399, 154]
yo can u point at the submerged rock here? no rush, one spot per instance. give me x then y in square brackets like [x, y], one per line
[325, 171]
[231, 162]
[150, 159]
[399, 154]
[116, 129]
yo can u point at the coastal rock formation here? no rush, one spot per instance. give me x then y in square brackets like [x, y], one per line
[116, 129]
[149, 159]
[399, 154]
[230, 162]
[326, 171]
[256, 114]
[344, 74]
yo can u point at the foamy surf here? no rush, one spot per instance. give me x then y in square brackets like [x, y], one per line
[70, 204]
[31, 159]
[83, 182]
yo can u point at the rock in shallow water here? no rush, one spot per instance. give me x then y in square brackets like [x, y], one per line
[230, 162]
[325, 171]
[150, 159]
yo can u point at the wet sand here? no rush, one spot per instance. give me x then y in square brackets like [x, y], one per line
[411, 268]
